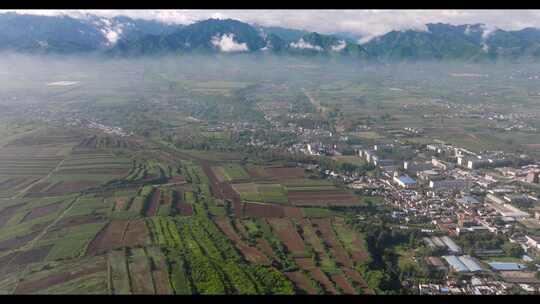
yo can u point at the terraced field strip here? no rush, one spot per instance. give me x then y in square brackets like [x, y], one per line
[108, 238]
[287, 233]
[248, 192]
[160, 274]
[355, 277]
[318, 275]
[31, 244]
[119, 272]
[280, 173]
[70, 273]
[273, 193]
[337, 250]
[179, 278]
[343, 284]
[251, 254]
[322, 198]
[307, 264]
[351, 240]
[43, 179]
[256, 210]
[140, 272]
[234, 172]
[153, 203]
[301, 282]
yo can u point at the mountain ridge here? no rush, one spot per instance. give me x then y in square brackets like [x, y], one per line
[124, 36]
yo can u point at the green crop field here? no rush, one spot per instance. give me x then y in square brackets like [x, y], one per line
[273, 194]
[234, 172]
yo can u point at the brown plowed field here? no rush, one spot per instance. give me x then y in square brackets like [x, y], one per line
[136, 234]
[322, 198]
[80, 220]
[293, 212]
[215, 185]
[256, 174]
[263, 211]
[286, 172]
[355, 276]
[69, 187]
[301, 282]
[286, 232]
[359, 256]
[319, 276]
[305, 263]
[339, 253]
[26, 287]
[184, 209]
[108, 238]
[120, 203]
[266, 248]
[119, 233]
[343, 284]
[177, 179]
[161, 279]
[251, 254]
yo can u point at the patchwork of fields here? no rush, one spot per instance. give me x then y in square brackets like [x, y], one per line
[82, 217]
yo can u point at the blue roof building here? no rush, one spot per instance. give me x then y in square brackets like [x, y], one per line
[455, 263]
[451, 245]
[405, 181]
[471, 264]
[504, 266]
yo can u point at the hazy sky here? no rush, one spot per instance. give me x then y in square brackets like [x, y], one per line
[360, 22]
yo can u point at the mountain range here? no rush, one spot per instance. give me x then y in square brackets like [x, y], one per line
[124, 36]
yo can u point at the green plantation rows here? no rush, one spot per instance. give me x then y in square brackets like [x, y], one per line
[201, 259]
[204, 261]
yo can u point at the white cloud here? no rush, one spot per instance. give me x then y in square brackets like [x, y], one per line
[340, 46]
[111, 33]
[301, 44]
[467, 30]
[112, 36]
[226, 43]
[487, 31]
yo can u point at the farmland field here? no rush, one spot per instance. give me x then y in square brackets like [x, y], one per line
[168, 180]
[156, 230]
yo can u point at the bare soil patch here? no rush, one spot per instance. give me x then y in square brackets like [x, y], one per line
[263, 211]
[287, 234]
[343, 284]
[251, 254]
[286, 172]
[301, 282]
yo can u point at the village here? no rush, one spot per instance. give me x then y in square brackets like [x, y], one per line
[449, 192]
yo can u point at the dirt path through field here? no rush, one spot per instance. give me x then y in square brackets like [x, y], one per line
[43, 179]
[315, 103]
[31, 244]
